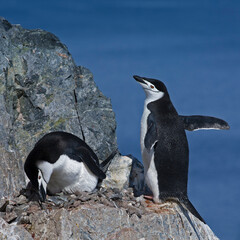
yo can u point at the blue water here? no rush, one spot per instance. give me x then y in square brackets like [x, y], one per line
[193, 46]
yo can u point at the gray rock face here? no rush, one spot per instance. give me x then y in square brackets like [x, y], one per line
[118, 173]
[42, 90]
[136, 178]
[13, 232]
[87, 222]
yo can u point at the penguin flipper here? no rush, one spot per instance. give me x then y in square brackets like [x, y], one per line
[198, 122]
[82, 154]
[151, 135]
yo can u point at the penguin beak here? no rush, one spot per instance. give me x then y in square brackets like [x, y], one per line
[42, 194]
[139, 79]
[35, 194]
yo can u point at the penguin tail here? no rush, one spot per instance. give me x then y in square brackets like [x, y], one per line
[188, 205]
[105, 164]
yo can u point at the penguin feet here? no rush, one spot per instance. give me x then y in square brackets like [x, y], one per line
[148, 197]
[160, 203]
[152, 198]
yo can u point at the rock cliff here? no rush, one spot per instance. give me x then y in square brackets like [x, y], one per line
[42, 90]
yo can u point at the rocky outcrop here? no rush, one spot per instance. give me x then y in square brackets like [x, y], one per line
[42, 90]
[8, 231]
[106, 214]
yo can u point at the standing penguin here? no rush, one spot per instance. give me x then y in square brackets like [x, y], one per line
[164, 145]
[62, 162]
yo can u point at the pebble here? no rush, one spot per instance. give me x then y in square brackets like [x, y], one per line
[19, 209]
[3, 205]
[21, 200]
[10, 217]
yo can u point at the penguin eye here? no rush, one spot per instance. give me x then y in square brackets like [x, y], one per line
[151, 86]
[39, 177]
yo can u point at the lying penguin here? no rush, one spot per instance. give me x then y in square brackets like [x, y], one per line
[62, 162]
[164, 144]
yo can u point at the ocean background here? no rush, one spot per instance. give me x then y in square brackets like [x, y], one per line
[192, 46]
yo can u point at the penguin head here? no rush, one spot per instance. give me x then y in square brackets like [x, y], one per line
[153, 88]
[42, 186]
[37, 186]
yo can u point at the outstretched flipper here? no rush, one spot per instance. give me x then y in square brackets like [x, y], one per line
[197, 122]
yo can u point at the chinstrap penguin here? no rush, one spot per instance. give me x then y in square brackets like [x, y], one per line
[62, 162]
[164, 145]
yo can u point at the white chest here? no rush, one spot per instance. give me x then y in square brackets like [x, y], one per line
[145, 115]
[150, 97]
[147, 155]
[68, 176]
[150, 172]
